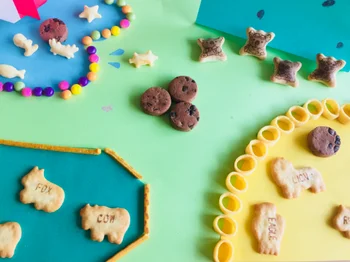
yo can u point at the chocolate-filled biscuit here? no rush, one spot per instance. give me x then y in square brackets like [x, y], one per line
[183, 89]
[323, 141]
[155, 101]
[184, 116]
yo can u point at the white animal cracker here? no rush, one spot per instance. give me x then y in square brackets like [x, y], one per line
[90, 13]
[113, 222]
[63, 50]
[10, 235]
[22, 42]
[45, 195]
[11, 72]
[143, 59]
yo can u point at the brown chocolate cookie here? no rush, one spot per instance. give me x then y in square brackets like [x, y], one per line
[53, 28]
[323, 141]
[155, 101]
[184, 116]
[183, 89]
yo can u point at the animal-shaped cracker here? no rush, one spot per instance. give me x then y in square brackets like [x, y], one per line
[211, 49]
[22, 42]
[9, 71]
[285, 72]
[45, 195]
[102, 220]
[342, 220]
[63, 50]
[268, 228]
[10, 235]
[256, 43]
[327, 68]
[292, 181]
[143, 59]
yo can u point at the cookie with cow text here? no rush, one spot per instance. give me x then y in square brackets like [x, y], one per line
[183, 89]
[184, 116]
[42, 193]
[323, 141]
[155, 101]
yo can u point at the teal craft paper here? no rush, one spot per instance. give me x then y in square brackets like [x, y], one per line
[302, 27]
[86, 179]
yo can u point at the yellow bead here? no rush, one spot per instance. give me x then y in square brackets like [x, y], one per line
[66, 94]
[115, 30]
[106, 33]
[76, 89]
[126, 9]
[94, 67]
[87, 40]
[91, 76]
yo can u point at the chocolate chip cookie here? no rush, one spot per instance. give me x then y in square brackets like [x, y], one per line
[155, 101]
[323, 141]
[53, 28]
[184, 116]
[183, 89]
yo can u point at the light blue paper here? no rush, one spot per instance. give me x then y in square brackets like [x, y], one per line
[302, 27]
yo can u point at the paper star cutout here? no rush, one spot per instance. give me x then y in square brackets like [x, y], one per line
[342, 220]
[256, 43]
[211, 49]
[327, 68]
[90, 13]
[286, 72]
[143, 59]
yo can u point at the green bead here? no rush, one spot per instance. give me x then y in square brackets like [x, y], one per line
[121, 3]
[109, 2]
[19, 86]
[95, 35]
[131, 16]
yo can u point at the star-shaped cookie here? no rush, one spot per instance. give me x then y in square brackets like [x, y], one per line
[327, 68]
[211, 49]
[256, 43]
[90, 13]
[286, 72]
[342, 220]
[143, 59]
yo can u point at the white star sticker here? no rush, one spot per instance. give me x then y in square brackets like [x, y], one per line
[90, 13]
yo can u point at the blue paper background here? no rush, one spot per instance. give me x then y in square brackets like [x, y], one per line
[43, 68]
[302, 27]
[85, 179]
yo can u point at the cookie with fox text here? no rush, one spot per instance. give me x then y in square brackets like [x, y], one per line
[10, 235]
[341, 221]
[102, 220]
[268, 228]
[42, 193]
[292, 181]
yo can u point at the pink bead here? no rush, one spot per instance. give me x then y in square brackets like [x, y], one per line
[125, 23]
[1, 86]
[26, 92]
[94, 58]
[63, 85]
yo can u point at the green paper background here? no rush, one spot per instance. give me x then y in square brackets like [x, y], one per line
[186, 170]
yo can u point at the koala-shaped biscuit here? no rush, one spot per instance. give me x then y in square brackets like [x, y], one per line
[256, 43]
[342, 220]
[268, 228]
[10, 235]
[101, 220]
[286, 72]
[211, 49]
[292, 181]
[45, 195]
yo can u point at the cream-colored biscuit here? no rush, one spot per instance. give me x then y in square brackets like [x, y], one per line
[268, 228]
[292, 181]
[45, 195]
[102, 220]
[67, 51]
[27, 44]
[143, 59]
[342, 220]
[10, 235]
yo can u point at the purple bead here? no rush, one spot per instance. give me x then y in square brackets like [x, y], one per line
[38, 91]
[83, 81]
[9, 87]
[91, 50]
[48, 91]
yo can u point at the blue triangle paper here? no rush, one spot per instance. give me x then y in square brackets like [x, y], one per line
[117, 52]
[115, 64]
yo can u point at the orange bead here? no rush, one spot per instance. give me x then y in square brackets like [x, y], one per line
[106, 33]
[87, 40]
[126, 9]
[91, 76]
[66, 94]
